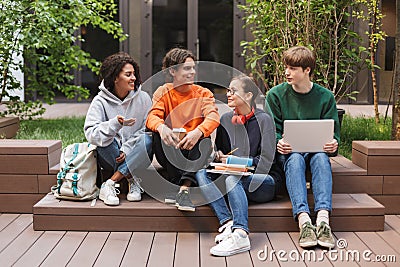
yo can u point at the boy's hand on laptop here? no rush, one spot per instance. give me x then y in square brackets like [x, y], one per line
[190, 140]
[283, 148]
[331, 147]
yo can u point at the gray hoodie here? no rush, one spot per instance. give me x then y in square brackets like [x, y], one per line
[101, 123]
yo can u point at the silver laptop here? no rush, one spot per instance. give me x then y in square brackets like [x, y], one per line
[308, 135]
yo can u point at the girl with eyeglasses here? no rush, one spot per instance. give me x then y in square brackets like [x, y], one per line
[248, 133]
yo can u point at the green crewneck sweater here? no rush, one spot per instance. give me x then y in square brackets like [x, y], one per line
[287, 104]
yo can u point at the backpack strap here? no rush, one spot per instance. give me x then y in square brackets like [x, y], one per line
[61, 175]
[75, 184]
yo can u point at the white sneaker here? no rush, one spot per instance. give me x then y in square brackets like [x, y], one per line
[135, 190]
[108, 193]
[225, 230]
[231, 245]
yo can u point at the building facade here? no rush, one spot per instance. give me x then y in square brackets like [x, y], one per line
[213, 30]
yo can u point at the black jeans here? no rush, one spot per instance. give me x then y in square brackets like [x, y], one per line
[182, 164]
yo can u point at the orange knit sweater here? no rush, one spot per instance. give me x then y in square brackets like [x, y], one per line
[190, 110]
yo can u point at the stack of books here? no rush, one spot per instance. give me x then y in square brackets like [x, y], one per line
[224, 168]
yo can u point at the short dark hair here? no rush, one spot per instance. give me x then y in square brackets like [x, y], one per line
[112, 66]
[248, 86]
[176, 56]
[300, 56]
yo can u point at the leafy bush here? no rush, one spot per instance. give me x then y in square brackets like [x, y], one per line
[46, 34]
[324, 26]
[68, 130]
[362, 128]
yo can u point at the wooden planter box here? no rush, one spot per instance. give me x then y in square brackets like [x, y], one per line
[28, 168]
[9, 127]
[381, 159]
[377, 157]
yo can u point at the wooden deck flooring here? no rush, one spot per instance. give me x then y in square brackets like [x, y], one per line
[20, 245]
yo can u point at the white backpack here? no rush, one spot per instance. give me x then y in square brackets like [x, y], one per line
[78, 172]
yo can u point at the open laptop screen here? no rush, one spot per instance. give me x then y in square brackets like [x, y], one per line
[308, 135]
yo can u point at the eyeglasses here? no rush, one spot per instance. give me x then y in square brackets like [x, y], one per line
[231, 91]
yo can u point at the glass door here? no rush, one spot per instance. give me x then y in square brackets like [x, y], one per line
[215, 41]
[203, 26]
[215, 31]
[169, 29]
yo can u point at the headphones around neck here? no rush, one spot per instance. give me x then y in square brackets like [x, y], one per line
[241, 119]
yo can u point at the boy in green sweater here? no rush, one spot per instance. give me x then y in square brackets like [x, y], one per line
[301, 99]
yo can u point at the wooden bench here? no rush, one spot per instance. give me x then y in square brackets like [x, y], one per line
[31, 166]
[350, 212]
[27, 171]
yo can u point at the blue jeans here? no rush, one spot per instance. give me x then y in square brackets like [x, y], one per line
[257, 187]
[295, 165]
[140, 156]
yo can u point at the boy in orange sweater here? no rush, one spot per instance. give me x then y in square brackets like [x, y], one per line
[182, 104]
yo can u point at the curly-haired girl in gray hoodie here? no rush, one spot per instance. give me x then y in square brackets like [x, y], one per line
[115, 123]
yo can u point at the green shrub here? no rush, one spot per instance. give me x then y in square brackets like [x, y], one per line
[68, 130]
[45, 33]
[362, 128]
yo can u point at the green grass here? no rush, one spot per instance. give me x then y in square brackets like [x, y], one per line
[362, 128]
[70, 130]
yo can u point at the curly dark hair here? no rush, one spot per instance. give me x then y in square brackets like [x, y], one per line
[112, 66]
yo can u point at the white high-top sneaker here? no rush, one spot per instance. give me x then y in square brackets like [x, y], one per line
[225, 230]
[231, 245]
[135, 190]
[108, 193]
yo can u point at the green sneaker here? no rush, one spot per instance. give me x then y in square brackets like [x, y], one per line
[324, 236]
[308, 238]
